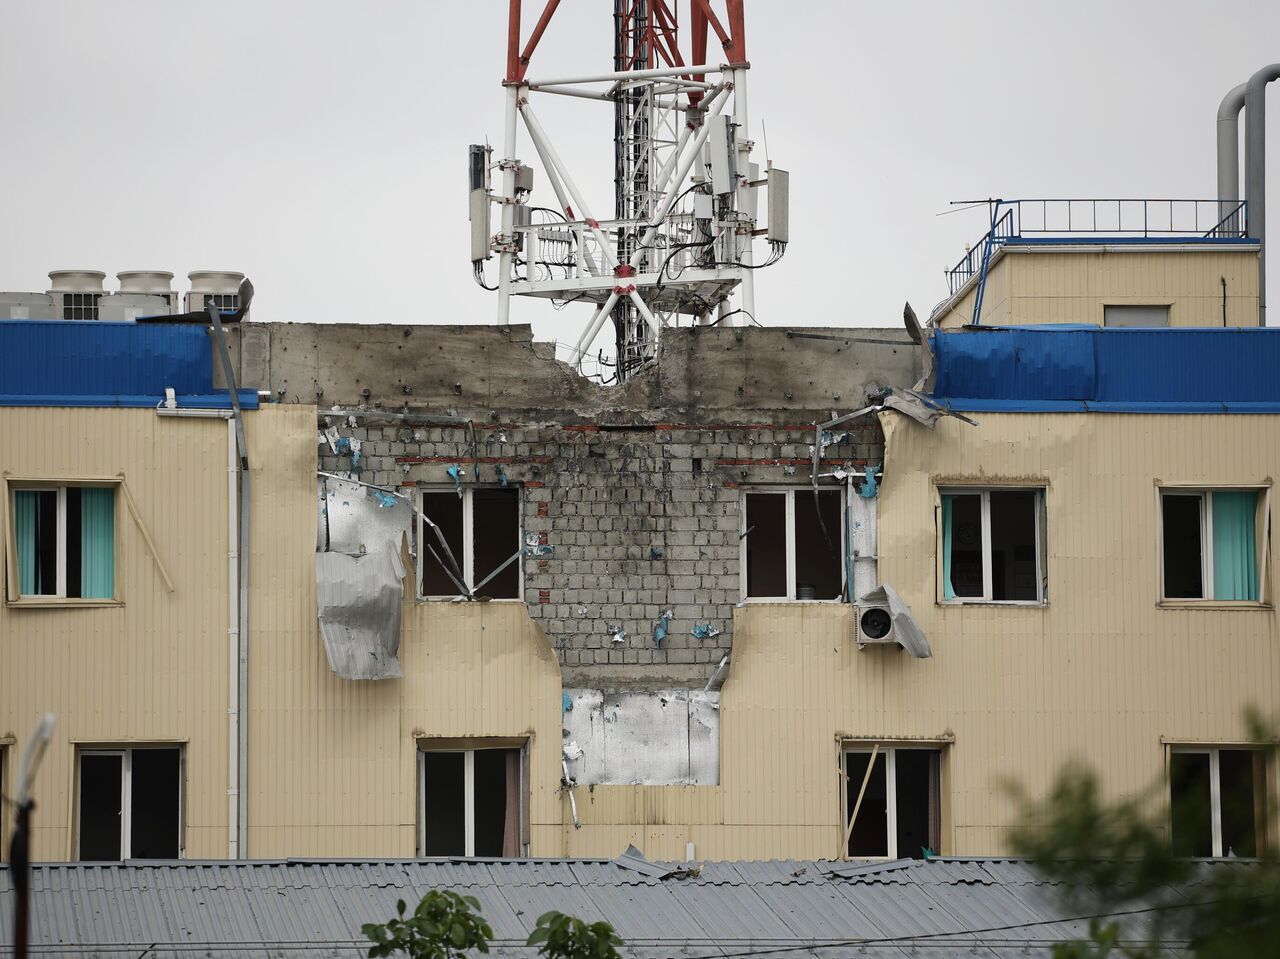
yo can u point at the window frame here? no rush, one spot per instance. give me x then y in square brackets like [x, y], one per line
[890, 747]
[467, 559]
[126, 751]
[1041, 522]
[12, 590]
[1262, 547]
[468, 748]
[790, 521]
[1167, 306]
[1214, 752]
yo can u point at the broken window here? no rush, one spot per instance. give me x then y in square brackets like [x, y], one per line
[1217, 801]
[893, 801]
[992, 545]
[793, 544]
[472, 802]
[130, 804]
[1210, 543]
[65, 541]
[481, 527]
[1135, 315]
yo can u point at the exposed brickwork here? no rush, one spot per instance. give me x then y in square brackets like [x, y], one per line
[640, 519]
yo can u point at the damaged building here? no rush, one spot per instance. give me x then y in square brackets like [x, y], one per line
[370, 590]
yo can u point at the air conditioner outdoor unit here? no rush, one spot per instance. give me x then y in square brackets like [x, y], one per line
[873, 624]
[882, 618]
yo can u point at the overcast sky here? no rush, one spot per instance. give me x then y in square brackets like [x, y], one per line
[320, 146]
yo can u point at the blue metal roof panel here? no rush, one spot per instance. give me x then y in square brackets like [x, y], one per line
[1094, 369]
[92, 363]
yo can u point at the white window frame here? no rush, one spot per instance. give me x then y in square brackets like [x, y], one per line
[467, 559]
[468, 792]
[1166, 306]
[1206, 542]
[1041, 517]
[790, 493]
[890, 752]
[126, 793]
[22, 486]
[1215, 788]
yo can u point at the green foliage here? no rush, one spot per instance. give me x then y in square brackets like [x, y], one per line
[1114, 857]
[444, 926]
[558, 936]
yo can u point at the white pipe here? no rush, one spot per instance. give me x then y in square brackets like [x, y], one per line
[627, 75]
[242, 693]
[644, 312]
[1255, 170]
[508, 207]
[1229, 151]
[233, 643]
[554, 179]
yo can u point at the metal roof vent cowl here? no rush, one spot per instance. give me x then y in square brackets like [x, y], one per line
[221, 287]
[76, 281]
[149, 282]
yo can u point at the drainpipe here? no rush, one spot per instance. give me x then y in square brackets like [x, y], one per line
[1255, 171]
[234, 685]
[242, 564]
[1229, 153]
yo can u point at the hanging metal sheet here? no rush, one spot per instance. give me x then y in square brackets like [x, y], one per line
[358, 601]
[659, 738]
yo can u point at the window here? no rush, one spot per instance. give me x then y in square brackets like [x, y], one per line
[482, 527]
[472, 802]
[65, 541]
[130, 803]
[993, 545]
[899, 813]
[792, 544]
[1211, 544]
[1217, 801]
[80, 306]
[1135, 315]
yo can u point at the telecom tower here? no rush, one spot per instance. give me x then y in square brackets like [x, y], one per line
[685, 187]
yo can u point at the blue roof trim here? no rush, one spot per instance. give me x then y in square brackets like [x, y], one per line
[94, 363]
[1093, 369]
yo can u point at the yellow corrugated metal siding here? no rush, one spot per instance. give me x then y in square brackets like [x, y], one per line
[155, 667]
[1036, 285]
[333, 762]
[1100, 673]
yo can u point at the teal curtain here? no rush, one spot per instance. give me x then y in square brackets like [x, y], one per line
[948, 591]
[97, 542]
[24, 509]
[1235, 547]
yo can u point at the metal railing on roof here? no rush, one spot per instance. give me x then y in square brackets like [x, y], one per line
[1099, 219]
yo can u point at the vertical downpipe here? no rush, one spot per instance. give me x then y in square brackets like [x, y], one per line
[233, 642]
[1255, 131]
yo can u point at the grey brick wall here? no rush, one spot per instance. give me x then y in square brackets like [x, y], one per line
[641, 520]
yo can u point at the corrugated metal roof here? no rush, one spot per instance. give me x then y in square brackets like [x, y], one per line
[1074, 369]
[93, 363]
[296, 909]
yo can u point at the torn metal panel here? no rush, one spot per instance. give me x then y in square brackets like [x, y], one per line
[913, 405]
[905, 628]
[358, 601]
[357, 519]
[658, 738]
